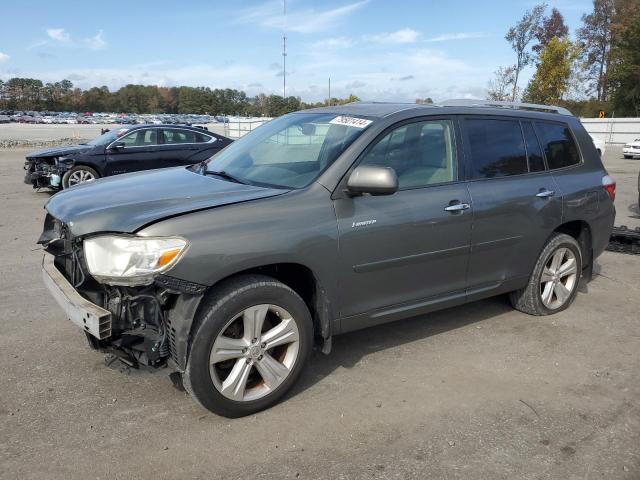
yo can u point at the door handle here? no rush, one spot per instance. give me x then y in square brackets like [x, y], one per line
[544, 193]
[458, 207]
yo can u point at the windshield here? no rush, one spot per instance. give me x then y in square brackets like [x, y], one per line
[108, 137]
[290, 151]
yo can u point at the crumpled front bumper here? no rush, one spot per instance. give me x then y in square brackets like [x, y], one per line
[38, 178]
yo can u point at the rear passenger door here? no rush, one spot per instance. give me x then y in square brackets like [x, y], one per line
[515, 200]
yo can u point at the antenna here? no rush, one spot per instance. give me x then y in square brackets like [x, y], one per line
[284, 49]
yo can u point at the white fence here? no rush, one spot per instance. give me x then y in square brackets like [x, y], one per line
[236, 127]
[613, 130]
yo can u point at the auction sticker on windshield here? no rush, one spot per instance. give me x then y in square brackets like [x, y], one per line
[351, 121]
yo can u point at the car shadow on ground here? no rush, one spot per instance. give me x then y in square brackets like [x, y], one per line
[351, 348]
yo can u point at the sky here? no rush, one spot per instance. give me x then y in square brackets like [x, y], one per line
[381, 50]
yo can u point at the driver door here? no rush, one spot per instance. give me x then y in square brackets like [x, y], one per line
[138, 152]
[402, 252]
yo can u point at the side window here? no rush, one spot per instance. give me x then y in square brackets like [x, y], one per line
[496, 148]
[559, 147]
[172, 136]
[421, 153]
[534, 152]
[140, 138]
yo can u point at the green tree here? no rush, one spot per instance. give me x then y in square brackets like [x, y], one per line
[595, 38]
[626, 73]
[551, 80]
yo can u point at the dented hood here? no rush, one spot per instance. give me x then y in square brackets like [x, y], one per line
[126, 203]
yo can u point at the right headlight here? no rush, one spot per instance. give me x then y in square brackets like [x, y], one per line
[131, 260]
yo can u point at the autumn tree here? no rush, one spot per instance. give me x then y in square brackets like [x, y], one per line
[551, 80]
[520, 36]
[551, 26]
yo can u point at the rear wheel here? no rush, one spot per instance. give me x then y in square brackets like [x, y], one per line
[251, 343]
[554, 282]
[628, 156]
[77, 175]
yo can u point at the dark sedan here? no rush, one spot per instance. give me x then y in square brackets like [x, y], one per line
[122, 150]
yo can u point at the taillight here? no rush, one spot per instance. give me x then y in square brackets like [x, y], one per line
[609, 184]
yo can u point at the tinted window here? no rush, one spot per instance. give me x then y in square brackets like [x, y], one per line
[140, 138]
[559, 147]
[421, 153]
[534, 152]
[497, 148]
[184, 136]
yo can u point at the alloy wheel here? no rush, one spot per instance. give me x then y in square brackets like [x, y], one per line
[80, 176]
[254, 353]
[559, 278]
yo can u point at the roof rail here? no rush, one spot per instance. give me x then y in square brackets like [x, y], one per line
[464, 102]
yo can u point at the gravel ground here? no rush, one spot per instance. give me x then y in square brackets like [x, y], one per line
[479, 391]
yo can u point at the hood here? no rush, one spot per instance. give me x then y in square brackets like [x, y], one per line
[59, 151]
[126, 203]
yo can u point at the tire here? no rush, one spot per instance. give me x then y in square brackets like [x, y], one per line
[628, 156]
[532, 299]
[218, 335]
[80, 172]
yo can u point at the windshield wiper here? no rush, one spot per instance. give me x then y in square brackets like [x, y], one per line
[226, 176]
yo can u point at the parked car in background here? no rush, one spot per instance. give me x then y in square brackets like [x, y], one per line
[632, 149]
[599, 144]
[119, 151]
[323, 222]
[5, 119]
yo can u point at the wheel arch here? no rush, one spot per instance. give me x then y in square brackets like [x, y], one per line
[300, 278]
[580, 230]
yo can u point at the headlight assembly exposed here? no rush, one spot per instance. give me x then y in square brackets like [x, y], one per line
[131, 260]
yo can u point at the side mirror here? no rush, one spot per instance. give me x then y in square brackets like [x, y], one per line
[372, 180]
[117, 146]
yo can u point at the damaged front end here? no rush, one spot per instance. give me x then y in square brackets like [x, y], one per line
[45, 172]
[135, 322]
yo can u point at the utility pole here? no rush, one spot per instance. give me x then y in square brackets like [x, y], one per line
[329, 99]
[284, 49]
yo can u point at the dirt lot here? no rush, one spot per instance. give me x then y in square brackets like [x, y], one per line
[479, 391]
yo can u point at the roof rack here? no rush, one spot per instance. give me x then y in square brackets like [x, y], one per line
[463, 102]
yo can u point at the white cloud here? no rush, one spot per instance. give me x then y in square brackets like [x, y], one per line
[97, 42]
[406, 35]
[270, 15]
[456, 36]
[59, 35]
[334, 43]
[4, 57]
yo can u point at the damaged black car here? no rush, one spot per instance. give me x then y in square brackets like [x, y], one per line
[121, 150]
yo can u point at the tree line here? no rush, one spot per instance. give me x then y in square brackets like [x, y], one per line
[29, 94]
[597, 70]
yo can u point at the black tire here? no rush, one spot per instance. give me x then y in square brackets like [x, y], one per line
[529, 299]
[628, 156]
[76, 169]
[222, 305]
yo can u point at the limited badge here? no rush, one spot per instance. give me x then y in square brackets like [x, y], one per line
[351, 122]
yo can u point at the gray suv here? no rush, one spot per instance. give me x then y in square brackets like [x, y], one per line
[322, 222]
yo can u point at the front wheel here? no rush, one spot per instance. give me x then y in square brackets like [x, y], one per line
[252, 340]
[554, 282]
[77, 175]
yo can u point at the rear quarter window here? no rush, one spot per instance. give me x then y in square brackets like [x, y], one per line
[559, 146]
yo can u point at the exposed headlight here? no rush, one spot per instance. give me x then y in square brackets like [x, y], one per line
[123, 260]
